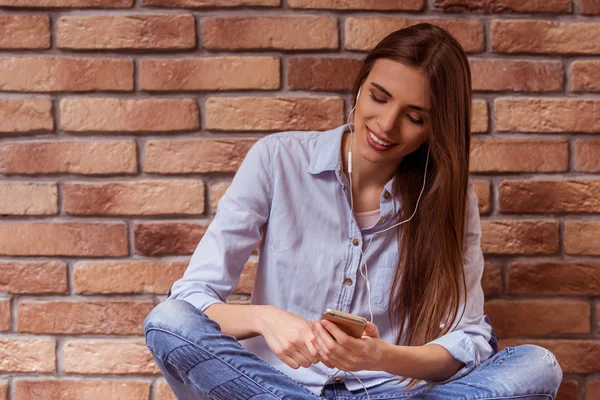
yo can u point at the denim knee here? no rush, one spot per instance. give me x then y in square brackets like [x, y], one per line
[543, 366]
[169, 315]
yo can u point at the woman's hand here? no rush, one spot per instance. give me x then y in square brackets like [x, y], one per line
[338, 350]
[289, 336]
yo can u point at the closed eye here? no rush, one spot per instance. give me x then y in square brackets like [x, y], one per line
[375, 99]
[414, 121]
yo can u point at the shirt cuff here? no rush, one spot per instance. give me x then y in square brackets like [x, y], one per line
[200, 300]
[462, 348]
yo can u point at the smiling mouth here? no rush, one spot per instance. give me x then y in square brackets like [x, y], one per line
[379, 140]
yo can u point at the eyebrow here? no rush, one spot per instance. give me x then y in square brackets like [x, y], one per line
[419, 108]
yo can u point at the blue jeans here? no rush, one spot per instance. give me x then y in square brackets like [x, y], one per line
[200, 362]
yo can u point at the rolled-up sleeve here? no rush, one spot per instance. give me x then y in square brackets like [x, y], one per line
[216, 264]
[468, 340]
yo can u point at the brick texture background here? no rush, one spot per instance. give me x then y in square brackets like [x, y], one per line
[122, 123]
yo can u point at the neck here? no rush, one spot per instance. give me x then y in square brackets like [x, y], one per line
[366, 175]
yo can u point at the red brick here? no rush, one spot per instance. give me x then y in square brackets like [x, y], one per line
[41, 277]
[592, 389]
[363, 33]
[590, 7]
[545, 37]
[141, 31]
[58, 389]
[582, 237]
[210, 73]
[164, 392]
[86, 158]
[538, 317]
[68, 3]
[587, 155]
[26, 115]
[152, 197]
[216, 193]
[491, 281]
[210, 3]
[277, 32]
[585, 75]
[167, 238]
[516, 75]
[519, 155]
[479, 117]
[564, 196]
[322, 73]
[195, 156]
[483, 192]
[114, 317]
[520, 114]
[27, 355]
[527, 237]
[119, 115]
[568, 390]
[554, 278]
[273, 113]
[369, 5]
[247, 278]
[59, 74]
[24, 31]
[108, 357]
[574, 356]
[27, 198]
[497, 6]
[109, 277]
[4, 316]
[86, 239]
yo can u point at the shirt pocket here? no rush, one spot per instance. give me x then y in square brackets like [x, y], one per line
[382, 286]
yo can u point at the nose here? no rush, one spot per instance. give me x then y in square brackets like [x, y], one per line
[387, 122]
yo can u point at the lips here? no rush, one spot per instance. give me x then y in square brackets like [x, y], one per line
[380, 138]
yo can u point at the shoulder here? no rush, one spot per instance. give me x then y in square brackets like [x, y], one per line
[290, 139]
[289, 147]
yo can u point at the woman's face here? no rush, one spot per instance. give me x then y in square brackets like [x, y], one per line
[393, 105]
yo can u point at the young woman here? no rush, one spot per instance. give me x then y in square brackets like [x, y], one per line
[376, 218]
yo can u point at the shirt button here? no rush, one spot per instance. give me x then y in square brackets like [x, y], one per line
[348, 281]
[383, 220]
[355, 242]
[337, 379]
[386, 195]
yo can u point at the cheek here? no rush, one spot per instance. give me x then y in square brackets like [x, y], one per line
[413, 135]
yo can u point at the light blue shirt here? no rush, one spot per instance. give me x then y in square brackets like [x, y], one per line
[291, 192]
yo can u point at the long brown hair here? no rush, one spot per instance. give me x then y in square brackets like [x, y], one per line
[429, 283]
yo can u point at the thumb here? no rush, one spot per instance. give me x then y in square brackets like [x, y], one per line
[371, 330]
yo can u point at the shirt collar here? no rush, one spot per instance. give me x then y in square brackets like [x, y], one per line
[328, 151]
[327, 155]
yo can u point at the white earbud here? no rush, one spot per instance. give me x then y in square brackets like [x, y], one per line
[352, 137]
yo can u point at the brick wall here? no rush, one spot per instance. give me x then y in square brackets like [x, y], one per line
[122, 122]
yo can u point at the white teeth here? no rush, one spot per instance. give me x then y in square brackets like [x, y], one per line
[377, 140]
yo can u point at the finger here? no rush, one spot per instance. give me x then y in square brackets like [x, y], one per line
[311, 349]
[340, 336]
[290, 361]
[301, 359]
[327, 344]
[371, 330]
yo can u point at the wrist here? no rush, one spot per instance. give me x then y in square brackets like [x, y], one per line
[259, 318]
[394, 357]
[381, 354]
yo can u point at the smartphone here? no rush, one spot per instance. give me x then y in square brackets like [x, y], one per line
[352, 325]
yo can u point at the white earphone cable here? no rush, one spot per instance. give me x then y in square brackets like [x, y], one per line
[364, 271]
